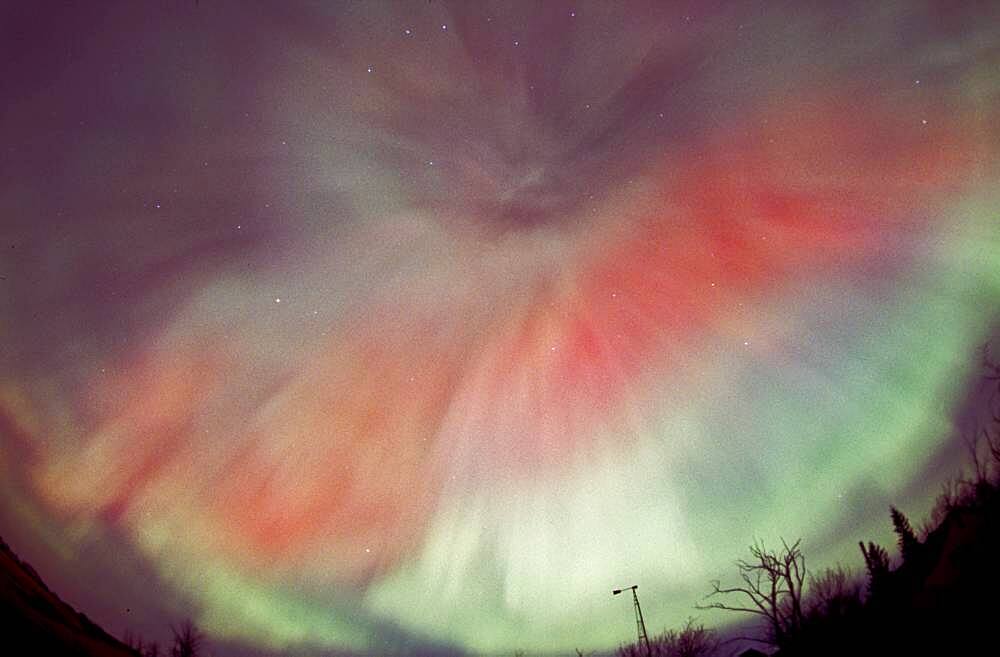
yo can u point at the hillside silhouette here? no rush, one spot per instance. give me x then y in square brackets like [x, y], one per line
[35, 621]
[938, 594]
[940, 599]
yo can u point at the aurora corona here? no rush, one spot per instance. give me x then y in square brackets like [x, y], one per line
[422, 326]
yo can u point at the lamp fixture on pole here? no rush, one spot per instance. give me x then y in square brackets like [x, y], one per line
[639, 623]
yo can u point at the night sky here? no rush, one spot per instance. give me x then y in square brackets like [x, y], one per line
[423, 325]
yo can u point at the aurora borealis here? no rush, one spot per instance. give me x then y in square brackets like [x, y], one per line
[420, 326]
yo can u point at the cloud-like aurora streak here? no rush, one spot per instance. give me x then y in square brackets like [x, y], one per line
[447, 336]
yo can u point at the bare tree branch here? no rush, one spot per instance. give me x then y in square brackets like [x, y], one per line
[774, 584]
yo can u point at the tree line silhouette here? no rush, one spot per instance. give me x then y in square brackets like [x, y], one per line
[188, 641]
[938, 597]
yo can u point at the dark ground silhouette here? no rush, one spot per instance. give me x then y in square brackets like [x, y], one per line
[938, 597]
[35, 621]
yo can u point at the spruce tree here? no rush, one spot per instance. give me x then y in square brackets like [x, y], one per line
[908, 543]
[877, 563]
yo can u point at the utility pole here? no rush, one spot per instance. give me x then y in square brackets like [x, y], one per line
[639, 623]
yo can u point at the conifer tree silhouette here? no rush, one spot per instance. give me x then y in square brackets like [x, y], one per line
[908, 543]
[877, 563]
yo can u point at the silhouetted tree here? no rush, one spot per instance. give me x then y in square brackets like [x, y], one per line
[692, 640]
[992, 375]
[773, 584]
[877, 563]
[989, 431]
[133, 641]
[833, 612]
[833, 593]
[188, 640]
[907, 538]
